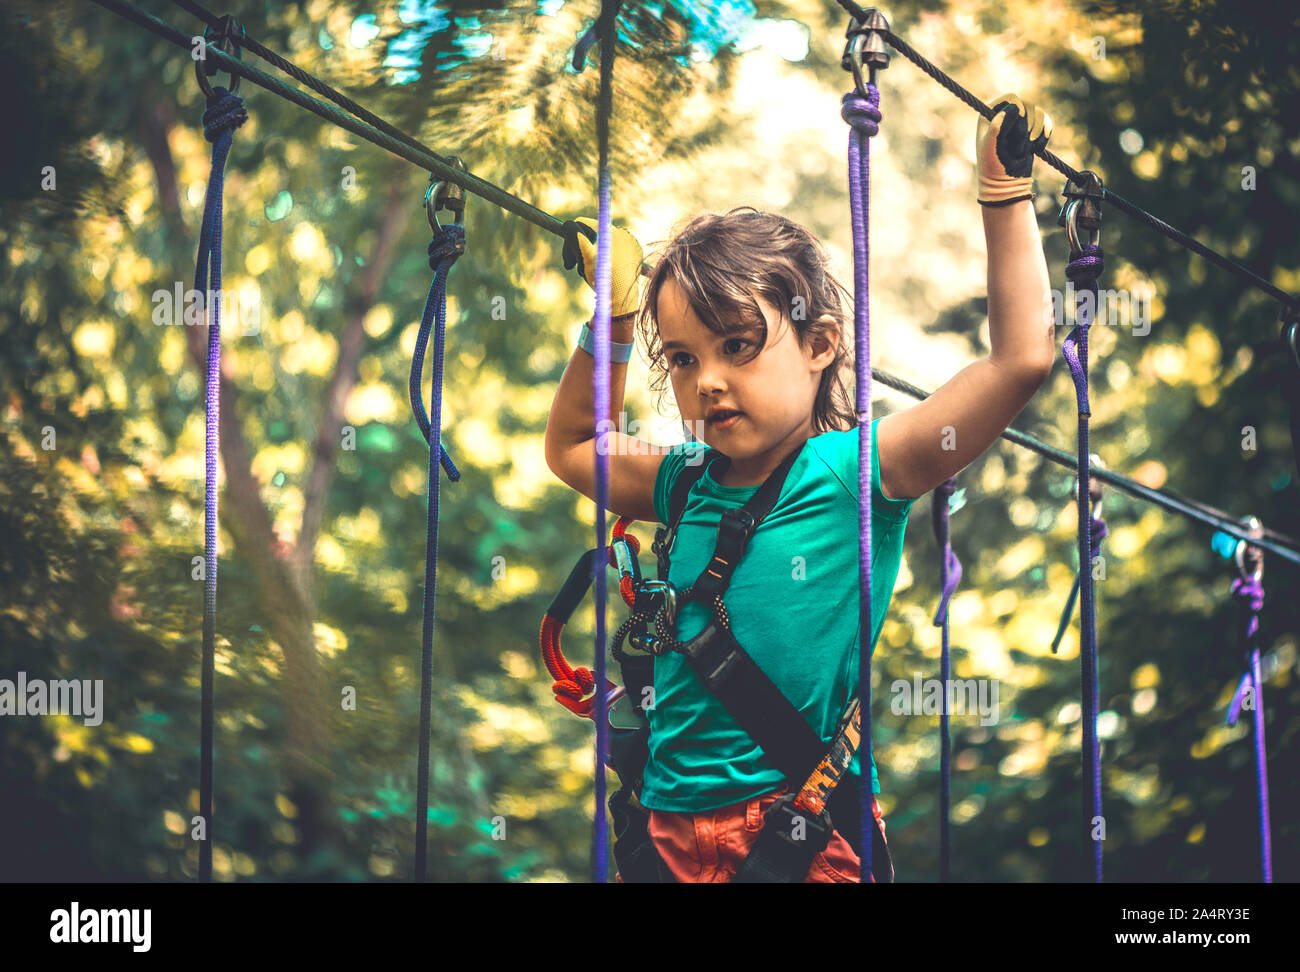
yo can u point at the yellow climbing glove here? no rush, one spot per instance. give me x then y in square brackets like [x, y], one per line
[624, 262]
[1005, 147]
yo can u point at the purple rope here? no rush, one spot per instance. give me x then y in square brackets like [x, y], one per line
[1084, 269]
[600, 399]
[224, 113]
[1249, 593]
[949, 578]
[1098, 534]
[863, 117]
[446, 248]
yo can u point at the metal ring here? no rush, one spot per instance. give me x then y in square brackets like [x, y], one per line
[1254, 527]
[445, 194]
[225, 37]
[1072, 229]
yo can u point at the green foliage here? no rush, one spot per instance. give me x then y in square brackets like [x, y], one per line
[96, 571]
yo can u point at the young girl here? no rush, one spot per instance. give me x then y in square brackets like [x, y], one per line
[741, 315]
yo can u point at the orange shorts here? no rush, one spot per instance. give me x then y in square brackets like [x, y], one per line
[708, 847]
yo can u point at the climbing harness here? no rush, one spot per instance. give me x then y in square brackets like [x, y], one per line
[1083, 209]
[799, 824]
[224, 113]
[1248, 591]
[949, 577]
[447, 247]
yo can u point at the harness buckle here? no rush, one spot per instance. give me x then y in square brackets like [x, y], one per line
[783, 817]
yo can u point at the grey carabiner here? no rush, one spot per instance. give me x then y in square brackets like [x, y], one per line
[1256, 529]
[227, 40]
[444, 194]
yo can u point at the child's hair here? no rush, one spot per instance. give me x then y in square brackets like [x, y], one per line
[722, 262]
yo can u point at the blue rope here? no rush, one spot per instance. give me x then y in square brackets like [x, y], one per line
[1083, 269]
[949, 578]
[224, 113]
[863, 117]
[445, 249]
[600, 400]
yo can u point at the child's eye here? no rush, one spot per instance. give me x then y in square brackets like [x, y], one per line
[676, 361]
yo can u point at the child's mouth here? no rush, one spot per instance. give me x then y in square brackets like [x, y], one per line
[725, 420]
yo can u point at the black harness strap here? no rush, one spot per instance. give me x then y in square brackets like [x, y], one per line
[789, 840]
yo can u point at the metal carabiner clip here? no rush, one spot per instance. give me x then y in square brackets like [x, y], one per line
[1072, 227]
[1255, 529]
[865, 45]
[227, 41]
[653, 587]
[444, 194]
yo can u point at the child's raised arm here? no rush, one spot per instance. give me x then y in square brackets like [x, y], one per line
[570, 429]
[923, 446]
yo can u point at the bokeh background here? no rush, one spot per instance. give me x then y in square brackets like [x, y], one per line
[321, 576]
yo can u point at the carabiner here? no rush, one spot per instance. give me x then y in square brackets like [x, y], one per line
[444, 194]
[865, 45]
[1089, 192]
[227, 39]
[1244, 549]
[655, 587]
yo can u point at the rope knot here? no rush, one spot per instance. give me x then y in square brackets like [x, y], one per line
[447, 245]
[1248, 591]
[863, 114]
[1098, 532]
[1089, 264]
[225, 113]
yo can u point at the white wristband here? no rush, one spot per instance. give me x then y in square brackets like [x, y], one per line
[618, 351]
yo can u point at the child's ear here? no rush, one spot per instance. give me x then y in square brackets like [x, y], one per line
[827, 337]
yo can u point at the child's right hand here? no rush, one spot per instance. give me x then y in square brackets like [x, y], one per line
[624, 263]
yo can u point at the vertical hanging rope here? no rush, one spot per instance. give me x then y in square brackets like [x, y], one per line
[224, 113]
[600, 398]
[1083, 269]
[1248, 591]
[949, 578]
[447, 247]
[1097, 533]
[863, 116]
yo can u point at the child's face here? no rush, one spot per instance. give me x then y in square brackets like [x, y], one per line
[774, 392]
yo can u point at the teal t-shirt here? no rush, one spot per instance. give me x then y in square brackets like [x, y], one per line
[793, 604]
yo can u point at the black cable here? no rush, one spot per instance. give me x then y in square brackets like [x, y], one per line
[407, 149]
[1272, 541]
[417, 154]
[1288, 301]
[320, 87]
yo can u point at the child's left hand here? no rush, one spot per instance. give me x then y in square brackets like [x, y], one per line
[1005, 147]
